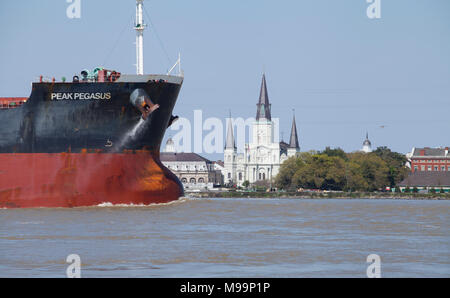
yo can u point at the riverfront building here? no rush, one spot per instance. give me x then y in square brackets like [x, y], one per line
[427, 181]
[429, 160]
[193, 170]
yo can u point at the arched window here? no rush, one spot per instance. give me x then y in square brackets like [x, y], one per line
[184, 180]
[192, 180]
[201, 180]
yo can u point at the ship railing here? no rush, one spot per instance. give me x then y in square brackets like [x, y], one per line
[10, 105]
[105, 76]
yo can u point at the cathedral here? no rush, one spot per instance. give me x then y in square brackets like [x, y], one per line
[262, 156]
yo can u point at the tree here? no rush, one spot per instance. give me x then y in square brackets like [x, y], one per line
[322, 172]
[370, 168]
[396, 162]
[333, 169]
[261, 185]
[287, 170]
[335, 152]
[246, 184]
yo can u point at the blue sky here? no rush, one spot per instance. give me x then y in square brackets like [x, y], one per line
[344, 73]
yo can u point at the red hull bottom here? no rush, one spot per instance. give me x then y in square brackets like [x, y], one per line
[85, 179]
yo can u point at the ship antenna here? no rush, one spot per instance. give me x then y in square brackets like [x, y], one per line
[139, 27]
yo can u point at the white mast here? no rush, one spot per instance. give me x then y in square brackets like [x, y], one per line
[139, 27]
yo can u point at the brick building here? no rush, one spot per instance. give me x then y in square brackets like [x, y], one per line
[429, 160]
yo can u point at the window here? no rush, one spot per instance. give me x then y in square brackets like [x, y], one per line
[436, 168]
[240, 176]
[201, 180]
[229, 175]
[422, 168]
[416, 168]
[429, 168]
[192, 180]
[184, 180]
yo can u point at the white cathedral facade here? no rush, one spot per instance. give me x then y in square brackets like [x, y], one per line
[262, 156]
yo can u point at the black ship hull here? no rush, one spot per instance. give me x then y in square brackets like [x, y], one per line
[46, 142]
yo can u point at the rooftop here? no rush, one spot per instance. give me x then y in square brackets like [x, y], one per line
[435, 152]
[182, 157]
[434, 179]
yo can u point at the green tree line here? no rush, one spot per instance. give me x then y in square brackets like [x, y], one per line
[334, 169]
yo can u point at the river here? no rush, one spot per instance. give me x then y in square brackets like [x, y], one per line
[230, 238]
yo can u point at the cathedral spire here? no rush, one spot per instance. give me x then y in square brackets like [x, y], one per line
[230, 144]
[263, 105]
[293, 142]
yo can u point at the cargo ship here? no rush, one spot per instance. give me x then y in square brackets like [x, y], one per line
[90, 141]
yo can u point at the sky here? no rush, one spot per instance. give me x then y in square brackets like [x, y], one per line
[343, 73]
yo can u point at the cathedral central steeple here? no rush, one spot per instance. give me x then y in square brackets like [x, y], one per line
[293, 140]
[263, 105]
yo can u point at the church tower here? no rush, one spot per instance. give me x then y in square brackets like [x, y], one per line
[230, 153]
[263, 127]
[261, 158]
[367, 145]
[263, 105]
[294, 146]
[264, 153]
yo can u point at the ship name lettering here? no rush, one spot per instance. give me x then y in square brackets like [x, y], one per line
[77, 96]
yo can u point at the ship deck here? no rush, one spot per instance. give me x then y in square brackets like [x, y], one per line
[11, 102]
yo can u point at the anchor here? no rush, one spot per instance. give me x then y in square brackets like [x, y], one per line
[140, 99]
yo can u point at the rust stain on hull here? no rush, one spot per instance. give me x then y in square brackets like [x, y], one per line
[85, 179]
